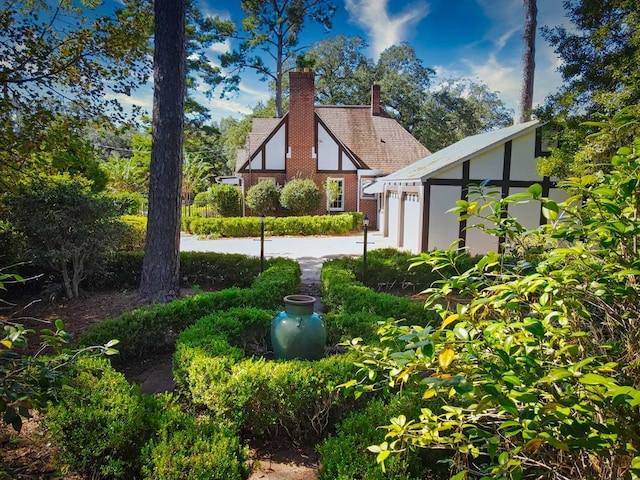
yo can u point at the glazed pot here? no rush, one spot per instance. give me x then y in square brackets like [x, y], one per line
[298, 332]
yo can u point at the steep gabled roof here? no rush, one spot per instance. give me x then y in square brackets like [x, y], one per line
[458, 152]
[378, 141]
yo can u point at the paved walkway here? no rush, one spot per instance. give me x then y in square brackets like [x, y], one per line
[310, 252]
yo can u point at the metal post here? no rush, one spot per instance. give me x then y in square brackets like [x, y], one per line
[261, 243]
[365, 224]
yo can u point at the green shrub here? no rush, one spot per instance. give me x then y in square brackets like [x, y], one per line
[263, 198]
[66, 226]
[203, 199]
[343, 294]
[127, 203]
[300, 196]
[343, 327]
[121, 270]
[194, 447]
[134, 234]
[226, 200]
[102, 422]
[250, 226]
[264, 398]
[344, 454]
[155, 327]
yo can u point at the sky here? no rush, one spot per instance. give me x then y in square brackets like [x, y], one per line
[476, 39]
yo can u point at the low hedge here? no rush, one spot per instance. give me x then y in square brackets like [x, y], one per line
[341, 292]
[156, 327]
[251, 226]
[105, 428]
[344, 454]
[218, 361]
[122, 270]
[389, 269]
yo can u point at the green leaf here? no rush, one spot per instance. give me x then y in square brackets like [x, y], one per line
[536, 328]
[550, 210]
[535, 190]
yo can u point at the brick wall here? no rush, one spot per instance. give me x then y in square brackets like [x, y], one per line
[302, 135]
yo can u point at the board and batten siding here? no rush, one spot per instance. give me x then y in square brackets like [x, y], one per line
[507, 168]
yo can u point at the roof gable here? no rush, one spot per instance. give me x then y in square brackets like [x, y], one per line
[459, 152]
[378, 141]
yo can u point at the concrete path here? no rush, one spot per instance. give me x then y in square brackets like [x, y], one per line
[310, 252]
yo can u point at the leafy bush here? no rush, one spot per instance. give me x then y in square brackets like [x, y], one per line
[226, 200]
[219, 270]
[134, 233]
[203, 199]
[541, 394]
[344, 455]
[194, 447]
[155, 327]
[250, 226]
[265, 399]
[66, 226]
[343, 294]
[102, 422]
[127, 203]
[263, 198]
[300, 196]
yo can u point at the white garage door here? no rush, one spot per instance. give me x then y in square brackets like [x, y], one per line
[411, 224]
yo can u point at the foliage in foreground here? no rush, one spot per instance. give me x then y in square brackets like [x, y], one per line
[534, 369]
[30, 380]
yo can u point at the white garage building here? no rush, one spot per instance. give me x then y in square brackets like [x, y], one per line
[415, 199]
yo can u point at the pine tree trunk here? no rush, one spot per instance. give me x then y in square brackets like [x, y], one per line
[161, 265]
[528, 59]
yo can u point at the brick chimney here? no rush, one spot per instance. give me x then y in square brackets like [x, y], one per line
[301, 161]
[375, 99]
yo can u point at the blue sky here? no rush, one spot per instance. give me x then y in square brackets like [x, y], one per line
[476, 39]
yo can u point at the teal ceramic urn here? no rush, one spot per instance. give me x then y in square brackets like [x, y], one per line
[298, 332]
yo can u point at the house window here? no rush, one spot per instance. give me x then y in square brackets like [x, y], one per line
[335, 194]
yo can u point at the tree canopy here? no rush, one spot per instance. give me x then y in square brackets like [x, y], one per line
[273, 27]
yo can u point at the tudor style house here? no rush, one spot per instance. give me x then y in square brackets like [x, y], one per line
[415, 200]
[349, 145]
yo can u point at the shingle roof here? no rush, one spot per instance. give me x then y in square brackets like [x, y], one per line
[378, 141]
[458, 152]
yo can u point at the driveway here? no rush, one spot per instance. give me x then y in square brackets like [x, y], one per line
[310, 252]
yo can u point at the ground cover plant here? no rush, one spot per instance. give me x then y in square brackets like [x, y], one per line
[533, 374]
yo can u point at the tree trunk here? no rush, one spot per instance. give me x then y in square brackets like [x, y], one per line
[161, 265]
[528, 59]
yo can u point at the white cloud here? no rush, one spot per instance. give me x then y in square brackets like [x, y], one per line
[144, 101]
[383, 28]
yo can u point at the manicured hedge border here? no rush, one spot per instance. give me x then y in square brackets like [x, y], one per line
[251, 226]
[266, 399]
[343, 293]
[156, 327]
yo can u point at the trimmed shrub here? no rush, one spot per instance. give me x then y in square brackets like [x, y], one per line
[134, 234]
[102, 422]
[226, 200]
[344, 455]
[194, 447]
[343, 294]
[263, 198]
[300, 196]
[127, 203]
[266, 399]
[156, 327]
[203, 199]
[122, 270]
[250, 226]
